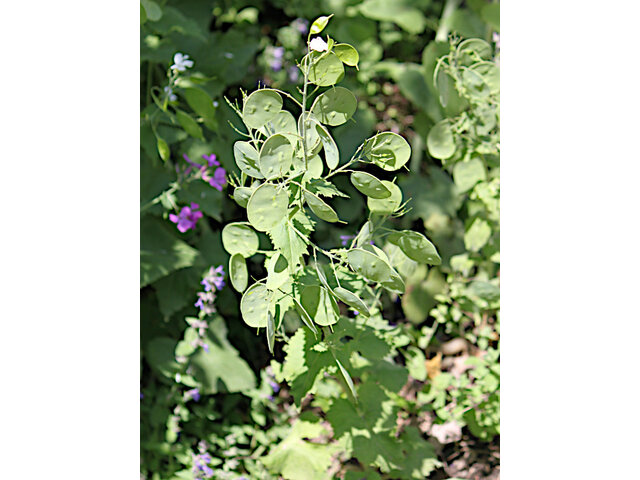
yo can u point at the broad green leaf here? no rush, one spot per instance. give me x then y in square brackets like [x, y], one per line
[238, 272]
[276, 156]
[440, 140]
[153, 11]
[161, 252]
[160, 355]
[325, 70]
[189, 124]
[297, 458]
[202, 104]
[239, 237]
[247, 159]
[347, 379]
[271, 332]
[277, 271]
[416, 246]
[467, 174]
[351, 299]
[143, 15]
[387, 150]
[375, 269]
[347, 54]
[260, 107]
[267, 207]
[320, 208]
[319, 24]
[313, 169]
[283, 123]
[401, 12]
[321, 276]
[331, 153]
[491, 14]
[306, 319]
[255, 305]
[221, 369]
[369, 185]
[386, 206]
[241, 195]
[163, 149]
[320, 305]
[335, 106]
[477, 235]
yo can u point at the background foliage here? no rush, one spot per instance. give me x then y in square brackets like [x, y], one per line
[431, 408]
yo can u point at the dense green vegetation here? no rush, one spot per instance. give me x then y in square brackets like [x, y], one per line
[340, 198]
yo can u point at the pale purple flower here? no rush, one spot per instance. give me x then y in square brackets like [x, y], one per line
[294, 74]
[278, 52]
[205, 302]
[187, 217]
[194, 394]
[276, 65]
[344, 239]
[201, 463]
[274, 386]
[301, 25]
[181, 62]
[219, 179]
[214, 279]
[169, 91]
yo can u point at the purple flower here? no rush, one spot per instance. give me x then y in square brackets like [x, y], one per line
[301, 25]
[194, 393]
[187, 217]
[219, 179]
[274, 386]
[205, 347]
[201, 469]
[211, 160]
[344, 239]
[276, 65]
[294, 74]
[278, 52]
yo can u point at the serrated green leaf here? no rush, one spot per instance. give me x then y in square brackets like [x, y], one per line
[320, 186]
[247, 159]
[335, 106]
[276, 156]
[277, 271]
[387, 150]
[238, 272]
[239, 237]
[369, 185]
[261, 107]
[286, 239]
[267, 207]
